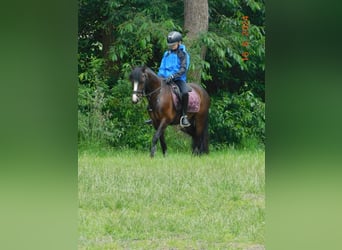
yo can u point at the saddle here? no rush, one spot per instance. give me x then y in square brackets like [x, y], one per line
[194, 99]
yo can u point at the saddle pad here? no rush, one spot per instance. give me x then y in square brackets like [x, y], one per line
[194, 102]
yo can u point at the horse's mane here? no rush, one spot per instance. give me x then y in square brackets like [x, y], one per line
[163, 85]
[152, 73]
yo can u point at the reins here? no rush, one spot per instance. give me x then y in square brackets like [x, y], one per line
[142, 92]
[149, 94]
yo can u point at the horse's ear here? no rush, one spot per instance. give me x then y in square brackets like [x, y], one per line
[143, 69]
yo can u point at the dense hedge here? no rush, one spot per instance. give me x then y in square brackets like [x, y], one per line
[237, 119]
[109, 118]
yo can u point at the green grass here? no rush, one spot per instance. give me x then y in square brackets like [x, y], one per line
[129, 201]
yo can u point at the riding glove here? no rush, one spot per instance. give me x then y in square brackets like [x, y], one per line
[169, 79]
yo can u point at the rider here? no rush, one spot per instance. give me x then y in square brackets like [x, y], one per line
[173, 68]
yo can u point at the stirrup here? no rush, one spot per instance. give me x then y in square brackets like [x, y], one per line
[181, 121]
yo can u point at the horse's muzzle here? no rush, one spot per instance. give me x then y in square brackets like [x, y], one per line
[135, 98]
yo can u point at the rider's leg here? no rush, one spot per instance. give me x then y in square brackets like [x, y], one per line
[184, 122]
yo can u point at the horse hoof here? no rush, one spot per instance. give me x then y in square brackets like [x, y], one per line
[153, 150]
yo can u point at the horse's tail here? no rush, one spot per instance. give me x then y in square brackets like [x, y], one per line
[205, 137]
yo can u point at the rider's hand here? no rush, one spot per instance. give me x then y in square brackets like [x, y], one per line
[169, 79]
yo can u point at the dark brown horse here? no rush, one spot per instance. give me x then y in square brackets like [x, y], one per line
[163, 111]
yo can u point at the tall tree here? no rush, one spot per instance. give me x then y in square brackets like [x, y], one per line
[196, 20]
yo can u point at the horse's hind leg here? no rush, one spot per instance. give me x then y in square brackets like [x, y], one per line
[195, 148]
[195, 141]
[200, 137]
[204, 146]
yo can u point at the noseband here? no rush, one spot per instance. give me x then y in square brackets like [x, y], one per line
[138, 92]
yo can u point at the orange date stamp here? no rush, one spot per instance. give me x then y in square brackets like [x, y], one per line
[245, 30]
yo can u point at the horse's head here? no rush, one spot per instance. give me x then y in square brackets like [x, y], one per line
[138, 79]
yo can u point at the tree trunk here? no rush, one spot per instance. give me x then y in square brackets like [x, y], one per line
[196, 20]
[107, 41]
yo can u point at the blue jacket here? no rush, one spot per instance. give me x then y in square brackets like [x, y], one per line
[175, 63]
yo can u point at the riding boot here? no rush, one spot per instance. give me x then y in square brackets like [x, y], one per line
[148, 122]
[184, 122]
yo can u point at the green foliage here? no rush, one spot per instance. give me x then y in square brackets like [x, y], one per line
[111, 118]
[138, 40]
[128, 119]
[237, 119]
[94, 119]
[226, 44]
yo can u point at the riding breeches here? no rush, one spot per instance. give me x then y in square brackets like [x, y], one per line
[182, 87]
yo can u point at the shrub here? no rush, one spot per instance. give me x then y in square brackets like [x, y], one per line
[128, 119]
[237, 120]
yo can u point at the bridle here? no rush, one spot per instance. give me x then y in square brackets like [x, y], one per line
[143, 91]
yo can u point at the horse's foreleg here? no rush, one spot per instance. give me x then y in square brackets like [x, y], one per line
[162, 143]
[157, 135]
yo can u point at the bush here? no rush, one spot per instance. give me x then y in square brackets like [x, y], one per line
[128, 118]
[108, 118]
[237, 120]
[94, 120]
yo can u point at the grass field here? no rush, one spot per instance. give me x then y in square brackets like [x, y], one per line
[129, 201]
